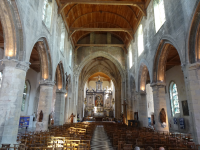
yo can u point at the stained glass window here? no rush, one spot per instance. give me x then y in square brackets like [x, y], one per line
[159, 13]
[1, 76]
[174, 99]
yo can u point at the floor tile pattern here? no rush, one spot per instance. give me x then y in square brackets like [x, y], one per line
[100, 140]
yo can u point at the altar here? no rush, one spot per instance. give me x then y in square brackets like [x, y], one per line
[98, 102]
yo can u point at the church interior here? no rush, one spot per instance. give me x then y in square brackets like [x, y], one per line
[100, 74]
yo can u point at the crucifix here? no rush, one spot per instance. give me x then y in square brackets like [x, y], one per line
[124, 108]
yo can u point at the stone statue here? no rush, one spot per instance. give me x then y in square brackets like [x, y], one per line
[41, 116]
[72, 117]
[98, 77]
[162, 115]
[163, 118]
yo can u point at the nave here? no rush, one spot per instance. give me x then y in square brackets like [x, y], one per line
[104, 136]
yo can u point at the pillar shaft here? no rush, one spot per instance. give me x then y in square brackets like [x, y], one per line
[142, 115]
[159, 103]
[11, 94]
[60, 107]
[192, 82]
[46, 94]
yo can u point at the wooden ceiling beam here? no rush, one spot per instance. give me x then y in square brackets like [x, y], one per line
[173, 57]
[173, 64]
[127, 30]
[35, 63]
[98, 2]
[1, 34]
[102, 45]
[1, 44]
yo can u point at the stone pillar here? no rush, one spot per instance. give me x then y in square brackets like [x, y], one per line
[142, 114]
[46, 94]
[192, 82]
[159, 103]
[11, 94]
[59, 107]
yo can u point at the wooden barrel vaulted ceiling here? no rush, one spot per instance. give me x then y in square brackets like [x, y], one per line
[119, 17]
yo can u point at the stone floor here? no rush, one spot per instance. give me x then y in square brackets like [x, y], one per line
[100, 140]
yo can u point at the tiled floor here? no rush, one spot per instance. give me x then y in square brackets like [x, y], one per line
[100, 140]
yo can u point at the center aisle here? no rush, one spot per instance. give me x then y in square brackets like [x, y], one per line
[100, 140]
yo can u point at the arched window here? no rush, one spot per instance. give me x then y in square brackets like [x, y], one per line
[140, 40]
[130, 57]
[62, 39]
[25, 95]
[47, 13]
[174, 99]
[159, 13]
[1, 76]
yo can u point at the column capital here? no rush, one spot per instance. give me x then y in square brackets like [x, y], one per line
[158, 84]
[22, 65]
[46, 83]
[61, 91]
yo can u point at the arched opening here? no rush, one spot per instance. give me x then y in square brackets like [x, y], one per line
[172, 90]
[146, 103]
[194, 37]
[58, 100]
[40, 70]
[105, 69]
[99, 93]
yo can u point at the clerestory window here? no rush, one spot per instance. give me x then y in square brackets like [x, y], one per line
[140, 40]
[159, 13]
[47, 13]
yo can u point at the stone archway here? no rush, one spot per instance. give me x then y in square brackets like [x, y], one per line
[194, 37]
[143, 77]
[60, 96]
[13, 33]
[100, 64]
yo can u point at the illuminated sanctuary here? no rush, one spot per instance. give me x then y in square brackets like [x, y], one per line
[99, 101]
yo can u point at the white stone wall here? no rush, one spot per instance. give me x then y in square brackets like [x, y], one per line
[175, 74]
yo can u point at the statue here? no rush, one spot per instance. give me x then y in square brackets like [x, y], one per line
[52, 118]
[72, 117]
[41, 116]
[163, 118]
[98, 77]
[78, 119]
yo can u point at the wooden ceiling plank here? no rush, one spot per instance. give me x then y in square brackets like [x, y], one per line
[173, 57]
[90, 13]
[98, 2]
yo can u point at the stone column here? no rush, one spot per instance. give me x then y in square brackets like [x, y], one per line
[11, 94]
[159, 103]
[46, 93]
[59, 107]
[192, 82]
[142, 114]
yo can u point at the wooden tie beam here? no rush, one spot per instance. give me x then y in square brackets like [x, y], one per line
[127, 30]
[101, 45]
[98, 2]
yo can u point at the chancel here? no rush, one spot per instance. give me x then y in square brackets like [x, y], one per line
[99, 101]
[100, 74]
